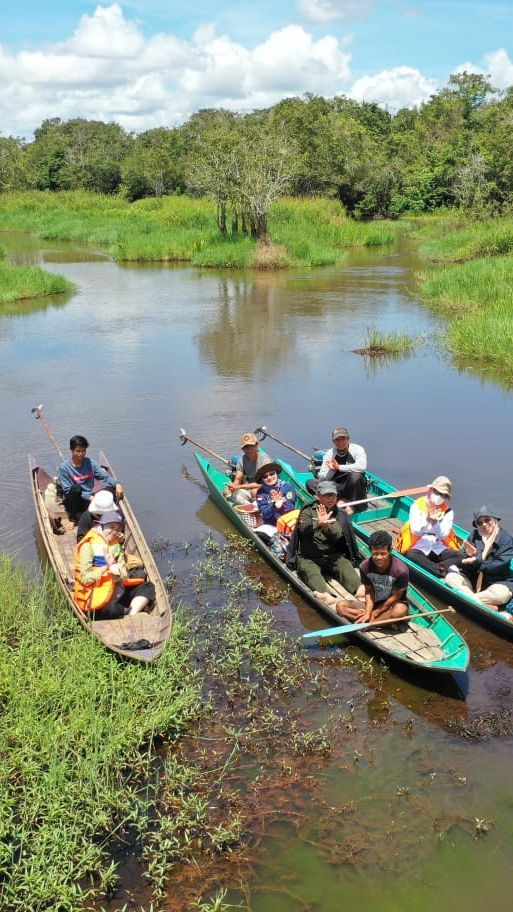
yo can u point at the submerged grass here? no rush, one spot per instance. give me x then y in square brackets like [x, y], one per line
[20, 282]
[311, 232]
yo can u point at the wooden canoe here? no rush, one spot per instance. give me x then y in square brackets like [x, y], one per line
[430, 643]
[140, 636]
[390, 516]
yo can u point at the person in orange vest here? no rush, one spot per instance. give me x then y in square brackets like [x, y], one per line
[102, 586]
[427, 538]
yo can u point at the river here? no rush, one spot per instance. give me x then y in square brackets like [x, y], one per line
[139, 352]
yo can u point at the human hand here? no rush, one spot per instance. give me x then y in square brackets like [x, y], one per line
[115, 570]
[469, 549]
[468, 560]
[324, 518]
[333, 465]
[119, 491]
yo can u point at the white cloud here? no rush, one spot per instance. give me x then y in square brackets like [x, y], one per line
[400, 87]
[324, 11]
[108, 69]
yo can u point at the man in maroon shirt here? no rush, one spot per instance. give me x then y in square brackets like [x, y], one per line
[382, 593]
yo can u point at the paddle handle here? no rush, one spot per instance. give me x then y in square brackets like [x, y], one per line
[403, 493]
[184, 438]
[353, 628]
[263, 432]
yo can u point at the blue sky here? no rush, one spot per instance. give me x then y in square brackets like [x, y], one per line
[151, 62]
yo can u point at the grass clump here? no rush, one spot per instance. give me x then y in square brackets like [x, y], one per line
[379, 342]
[76, 735]
[20, 282]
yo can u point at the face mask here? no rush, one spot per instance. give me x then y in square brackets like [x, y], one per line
[436, 499]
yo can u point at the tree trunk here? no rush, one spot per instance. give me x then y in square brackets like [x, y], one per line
[221, 217]
[235, 222]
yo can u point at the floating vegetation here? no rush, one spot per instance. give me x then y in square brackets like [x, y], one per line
[487, 725]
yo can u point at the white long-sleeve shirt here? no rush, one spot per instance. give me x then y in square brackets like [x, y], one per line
[359, 465]
[431, 534]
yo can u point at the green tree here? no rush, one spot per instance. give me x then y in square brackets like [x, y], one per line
[12, 164]
[156, 164]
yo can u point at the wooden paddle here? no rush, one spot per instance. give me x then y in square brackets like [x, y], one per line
[184, 438]
[403, 493]
[353, 628]
[38, 412]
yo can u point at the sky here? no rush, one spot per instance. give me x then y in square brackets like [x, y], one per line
[150, 63]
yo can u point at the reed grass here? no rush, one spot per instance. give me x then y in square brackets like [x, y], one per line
[21, 282]
[76, 736]
[306, 232]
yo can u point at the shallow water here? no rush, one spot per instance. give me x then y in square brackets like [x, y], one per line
[138, 353]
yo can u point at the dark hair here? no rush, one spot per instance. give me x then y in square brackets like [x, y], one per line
[380, 539]
[78, 441]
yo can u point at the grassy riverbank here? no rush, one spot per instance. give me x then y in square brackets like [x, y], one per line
[77, 732]
[306, 232]
[469, 283]
[18, 283]
[110, 766]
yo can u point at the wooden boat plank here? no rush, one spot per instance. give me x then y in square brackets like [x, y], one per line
[121, 634]
[216, 482]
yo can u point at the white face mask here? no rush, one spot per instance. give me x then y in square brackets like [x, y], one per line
[436, 499]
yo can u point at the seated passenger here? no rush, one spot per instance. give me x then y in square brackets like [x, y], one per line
[275, 497]
[77, 477]
[382, 592]
[101, 573]
[344, 464]
[243, 489]
[485, 571]
[427, 538]
[326, 543]
[101, 502]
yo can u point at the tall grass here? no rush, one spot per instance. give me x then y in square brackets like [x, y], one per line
[379, 342]
[311, 232]
[476, 296]
[463, 242]
[76, 735]
[20, 282]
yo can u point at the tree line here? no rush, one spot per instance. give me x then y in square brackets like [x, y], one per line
[453, 150]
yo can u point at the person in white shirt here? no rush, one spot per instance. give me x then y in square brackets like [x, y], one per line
[345, 464]
[427, 538]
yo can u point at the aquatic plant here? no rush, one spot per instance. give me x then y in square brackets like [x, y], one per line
[378, 342]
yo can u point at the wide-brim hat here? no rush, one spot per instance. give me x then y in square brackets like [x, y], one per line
[484, 511]
[102, 502]
[442, 484]
[267, 467]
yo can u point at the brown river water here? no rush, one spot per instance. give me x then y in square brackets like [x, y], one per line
[135, 354]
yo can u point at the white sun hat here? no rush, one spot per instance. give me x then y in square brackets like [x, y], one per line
[102, 502]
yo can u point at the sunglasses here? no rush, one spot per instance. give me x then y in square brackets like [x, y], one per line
[269, 474]
[484, 520]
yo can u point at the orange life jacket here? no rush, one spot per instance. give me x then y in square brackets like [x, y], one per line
[93, 596]
[287, 522]
[406, 539]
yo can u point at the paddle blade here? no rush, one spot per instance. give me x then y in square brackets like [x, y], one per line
[341, 630]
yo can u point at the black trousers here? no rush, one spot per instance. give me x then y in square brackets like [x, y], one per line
[121, 606]
[353, 486]
[437, 564]
[76, 504]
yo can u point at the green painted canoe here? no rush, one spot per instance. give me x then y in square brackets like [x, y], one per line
[429, 643]
[390, 515]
